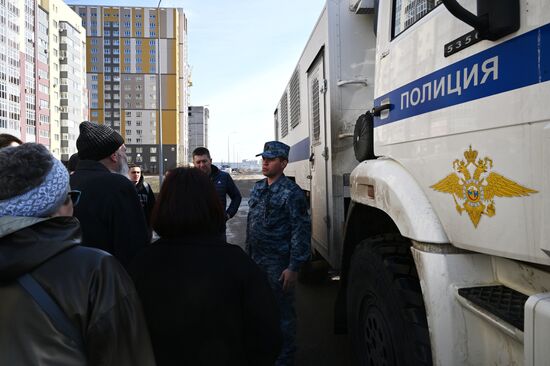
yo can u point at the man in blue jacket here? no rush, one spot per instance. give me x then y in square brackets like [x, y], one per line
[278, 236]
[222, 181]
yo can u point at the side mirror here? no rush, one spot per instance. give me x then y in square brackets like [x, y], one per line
[495, 18]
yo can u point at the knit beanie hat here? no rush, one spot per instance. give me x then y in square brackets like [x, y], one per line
[33, 183]
[96, 142]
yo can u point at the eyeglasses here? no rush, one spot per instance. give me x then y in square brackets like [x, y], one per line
[75, 196]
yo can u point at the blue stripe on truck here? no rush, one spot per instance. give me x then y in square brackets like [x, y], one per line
[299, 151]
[519, 62]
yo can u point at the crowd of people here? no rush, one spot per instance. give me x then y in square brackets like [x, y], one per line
[83, 280]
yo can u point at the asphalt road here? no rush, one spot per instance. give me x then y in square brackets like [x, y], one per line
[316, 342]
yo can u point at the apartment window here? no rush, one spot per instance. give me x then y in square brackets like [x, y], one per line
[138, 33]
[128, 132]
[139, 150]
[127, 33]
[126, 68]
[126, 42]
[127, 51]
[138, 42]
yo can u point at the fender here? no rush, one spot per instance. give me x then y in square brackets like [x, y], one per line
[386, 185]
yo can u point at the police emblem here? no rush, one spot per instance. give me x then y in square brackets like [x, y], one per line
[474, 193]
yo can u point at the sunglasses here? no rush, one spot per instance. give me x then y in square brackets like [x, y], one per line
[75, 196]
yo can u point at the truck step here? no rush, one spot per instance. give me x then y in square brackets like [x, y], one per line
[500, 300]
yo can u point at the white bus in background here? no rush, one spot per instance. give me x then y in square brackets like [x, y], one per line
[421, 131]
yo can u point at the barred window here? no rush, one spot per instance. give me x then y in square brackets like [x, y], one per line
[276, 120]
[284, 115]
[295, 99]
[408, 12]
[315, 112]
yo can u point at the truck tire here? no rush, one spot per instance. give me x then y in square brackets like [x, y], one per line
[386, 315]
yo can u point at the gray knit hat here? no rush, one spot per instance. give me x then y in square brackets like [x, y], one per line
[96, 142]
[33, 183]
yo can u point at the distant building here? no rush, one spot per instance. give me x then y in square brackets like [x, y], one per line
[123, 50]
[42, 85]
[198, 128]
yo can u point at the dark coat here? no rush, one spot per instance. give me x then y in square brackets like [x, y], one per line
[89, 285]
[206, 303]
[146, 197]
[226, 187]
[109, 211]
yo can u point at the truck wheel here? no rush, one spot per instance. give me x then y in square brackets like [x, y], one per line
[386, 315]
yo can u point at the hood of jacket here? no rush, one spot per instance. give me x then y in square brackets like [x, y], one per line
[27, 242]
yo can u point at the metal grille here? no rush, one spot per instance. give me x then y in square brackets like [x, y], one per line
[276, 120]
[295, 99]
[284, 115]
[315, 112]
[500, 300]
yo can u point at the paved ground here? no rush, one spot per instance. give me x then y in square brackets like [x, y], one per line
[317, 344]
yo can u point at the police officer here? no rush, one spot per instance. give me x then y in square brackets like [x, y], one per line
[279, 236]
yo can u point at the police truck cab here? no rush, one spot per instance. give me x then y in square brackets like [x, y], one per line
[421, 131]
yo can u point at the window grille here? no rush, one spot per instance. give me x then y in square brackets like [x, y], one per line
[284, 115]
[315, 110]
[295, 99]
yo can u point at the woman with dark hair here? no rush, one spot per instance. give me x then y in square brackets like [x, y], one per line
[206, 302]
[9, 140]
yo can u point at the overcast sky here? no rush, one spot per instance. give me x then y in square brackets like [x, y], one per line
[242, 54]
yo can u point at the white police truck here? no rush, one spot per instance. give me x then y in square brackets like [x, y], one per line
[421, 131]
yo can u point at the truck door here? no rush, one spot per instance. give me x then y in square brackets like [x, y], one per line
[319, 159]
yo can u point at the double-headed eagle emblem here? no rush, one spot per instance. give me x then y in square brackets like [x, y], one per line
[475, 193]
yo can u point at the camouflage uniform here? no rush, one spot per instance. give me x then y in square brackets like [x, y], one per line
[278, 237]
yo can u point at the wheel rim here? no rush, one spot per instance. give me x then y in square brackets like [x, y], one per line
[376, 340]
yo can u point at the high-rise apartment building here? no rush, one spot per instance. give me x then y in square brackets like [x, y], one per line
[127, 49]
[31, 44]
[68, 95]
[198, 128]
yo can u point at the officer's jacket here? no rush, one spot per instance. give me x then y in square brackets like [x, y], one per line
[279, 227]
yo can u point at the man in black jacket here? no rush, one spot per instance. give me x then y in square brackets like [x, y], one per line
[222, 181]
[39, 241]
[109, 211]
